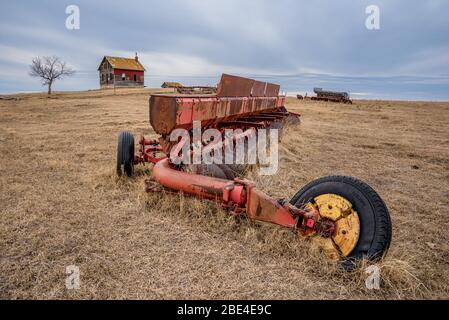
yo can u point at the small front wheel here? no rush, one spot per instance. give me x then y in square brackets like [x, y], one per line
[125, 153]
[360, 217]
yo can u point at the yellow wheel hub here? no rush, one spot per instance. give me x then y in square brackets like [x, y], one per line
[347, 224]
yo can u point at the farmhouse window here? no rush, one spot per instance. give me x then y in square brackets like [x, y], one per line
[135, 77]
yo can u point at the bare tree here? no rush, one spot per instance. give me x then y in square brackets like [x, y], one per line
[49, 69]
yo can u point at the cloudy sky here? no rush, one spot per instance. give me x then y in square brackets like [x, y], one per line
[293, 40]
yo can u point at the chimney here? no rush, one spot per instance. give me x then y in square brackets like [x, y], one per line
[136, 57]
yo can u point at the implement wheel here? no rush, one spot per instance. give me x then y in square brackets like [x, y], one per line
[125, 153]
[360, 217]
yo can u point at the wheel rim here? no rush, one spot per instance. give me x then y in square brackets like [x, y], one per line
[347, 224]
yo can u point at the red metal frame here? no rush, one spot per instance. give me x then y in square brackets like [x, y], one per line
[239, 196]
[149, 154]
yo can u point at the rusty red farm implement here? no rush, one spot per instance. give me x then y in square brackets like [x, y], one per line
[344, 214]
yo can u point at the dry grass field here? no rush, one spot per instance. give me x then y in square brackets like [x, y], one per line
[61, 205]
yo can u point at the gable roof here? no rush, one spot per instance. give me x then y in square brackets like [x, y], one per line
[170, 84]
[123, 63]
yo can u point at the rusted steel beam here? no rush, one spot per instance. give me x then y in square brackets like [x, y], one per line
[198, 185]
[264, 208]
[275, 113]
[168, 112]
[239, 195]
[242, 123]
[258, 118]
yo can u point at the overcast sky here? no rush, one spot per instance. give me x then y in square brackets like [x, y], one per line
[206, 38]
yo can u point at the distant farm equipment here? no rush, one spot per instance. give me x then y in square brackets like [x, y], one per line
[169, 84]
[179, 88]
[334, 96]
[196, 90]
[345, 215]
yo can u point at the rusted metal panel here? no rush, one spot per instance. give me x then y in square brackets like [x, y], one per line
[234, 86]
[184, 111]
[281, 101]
[163, 113]
[264, 208]
[272, 90]
[258, 89]
[204, 109]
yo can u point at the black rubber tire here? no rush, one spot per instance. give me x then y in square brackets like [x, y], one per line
[375, 222]
[125, 153]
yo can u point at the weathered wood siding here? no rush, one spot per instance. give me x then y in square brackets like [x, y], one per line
[110, 77]
[106, 75]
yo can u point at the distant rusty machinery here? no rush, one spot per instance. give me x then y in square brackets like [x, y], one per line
[333, 96]
[196, 90]
[344, 215]
[179, 88]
